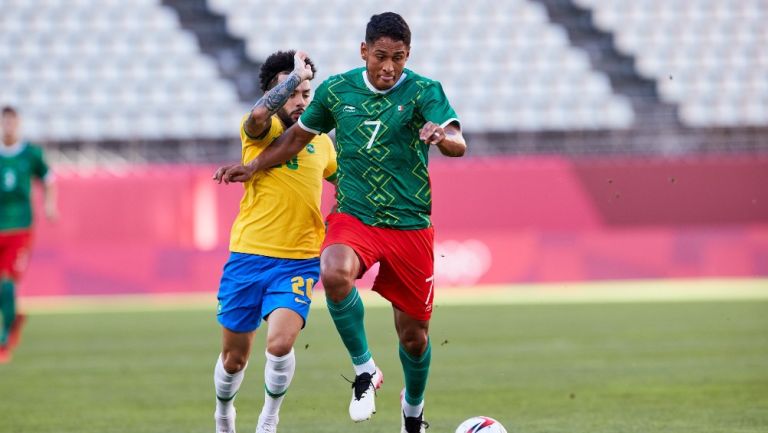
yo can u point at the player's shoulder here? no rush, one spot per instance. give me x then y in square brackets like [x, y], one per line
[32, 148]
[275, 127]
[272, 118]
[419, 87]
[416, 79]
[32, 145]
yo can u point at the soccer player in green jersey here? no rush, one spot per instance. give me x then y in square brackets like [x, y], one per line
[20, 161]
[385, 117]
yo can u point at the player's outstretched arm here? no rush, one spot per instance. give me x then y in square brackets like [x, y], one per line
[284, 148]
[449, 140]
[258, 120]
[49, 200]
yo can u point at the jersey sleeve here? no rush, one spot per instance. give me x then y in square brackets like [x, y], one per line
[434, 105]
[40, 168]
[329, 173]
[318, 117]
[252, 146]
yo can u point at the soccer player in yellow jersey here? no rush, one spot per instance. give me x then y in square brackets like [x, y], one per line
[275, 243]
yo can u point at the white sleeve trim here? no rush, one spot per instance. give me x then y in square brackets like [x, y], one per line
[307, 128]
[449, 121]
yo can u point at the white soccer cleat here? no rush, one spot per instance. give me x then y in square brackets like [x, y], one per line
[267, 424]
[363, 403]
[225, 424]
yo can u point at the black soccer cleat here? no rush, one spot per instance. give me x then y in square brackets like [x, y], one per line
[414, 424]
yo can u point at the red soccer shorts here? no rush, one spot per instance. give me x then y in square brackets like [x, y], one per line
[406, 261]
[14, 252]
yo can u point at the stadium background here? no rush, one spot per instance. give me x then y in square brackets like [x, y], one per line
[607, 141]
[618, 151]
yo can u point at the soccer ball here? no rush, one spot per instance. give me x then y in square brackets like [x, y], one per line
[481, 424]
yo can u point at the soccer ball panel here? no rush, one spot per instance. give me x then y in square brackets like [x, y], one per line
[481, 424]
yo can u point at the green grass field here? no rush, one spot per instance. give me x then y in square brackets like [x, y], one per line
[694, 367]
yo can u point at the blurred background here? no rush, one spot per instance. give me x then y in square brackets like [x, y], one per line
[607, 140]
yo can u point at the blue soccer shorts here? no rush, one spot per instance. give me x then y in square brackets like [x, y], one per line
[253, 286]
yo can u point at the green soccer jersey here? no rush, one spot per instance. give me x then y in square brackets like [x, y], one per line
[18, 165]
[382, 163]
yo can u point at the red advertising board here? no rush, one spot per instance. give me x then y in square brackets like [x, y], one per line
[159, 229]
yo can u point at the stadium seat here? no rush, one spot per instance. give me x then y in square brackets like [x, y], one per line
[686, 46]
[532, 47]
[90, 56]
[707, 56]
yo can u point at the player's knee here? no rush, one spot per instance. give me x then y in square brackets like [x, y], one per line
[337, 278]
[338, 270]
[234, 361]
[414, 341]
[279, 345]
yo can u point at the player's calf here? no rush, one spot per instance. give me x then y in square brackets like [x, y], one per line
[226, 386]
[14, 335]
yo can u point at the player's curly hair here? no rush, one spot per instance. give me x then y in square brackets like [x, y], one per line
[281, 61]
[388, 24]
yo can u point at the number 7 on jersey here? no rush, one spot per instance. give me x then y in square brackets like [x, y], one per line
[377, 124]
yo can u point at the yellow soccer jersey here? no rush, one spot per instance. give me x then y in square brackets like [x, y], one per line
[280, 209]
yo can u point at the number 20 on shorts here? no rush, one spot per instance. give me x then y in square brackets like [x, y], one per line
[302, 287]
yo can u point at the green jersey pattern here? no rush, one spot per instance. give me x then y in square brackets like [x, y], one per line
[382, 175]
[17, 168]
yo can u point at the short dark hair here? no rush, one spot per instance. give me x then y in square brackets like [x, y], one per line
[281, 61]
[8, 110]
[388, 24]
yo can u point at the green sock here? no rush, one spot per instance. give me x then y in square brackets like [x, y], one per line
[416, 371]
[348, 317]
[7, 307]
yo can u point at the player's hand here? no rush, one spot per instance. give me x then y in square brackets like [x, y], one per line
[233, 173]
[301, 67]
[431, 133]
[51, 212]
[218, 176]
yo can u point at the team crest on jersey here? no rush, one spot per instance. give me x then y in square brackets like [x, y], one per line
[311, 148]
[399, 108]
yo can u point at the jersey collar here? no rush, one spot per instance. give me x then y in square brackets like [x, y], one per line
[382, 92]
[12, 150]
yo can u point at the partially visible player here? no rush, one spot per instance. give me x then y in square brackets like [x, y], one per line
[20, 162]
[275, 243]
[386, 117]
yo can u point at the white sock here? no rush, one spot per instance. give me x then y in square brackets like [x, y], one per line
[278, 373]
[413, 411]
[226, 386]
[366, 367]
